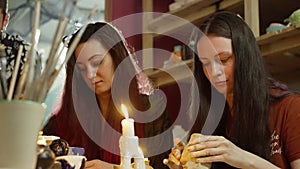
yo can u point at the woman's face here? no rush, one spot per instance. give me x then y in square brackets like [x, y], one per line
[218, 61]
[96, 66]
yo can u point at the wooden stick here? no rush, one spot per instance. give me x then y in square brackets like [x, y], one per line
[15, 73]
[55, 52]
[50, 80]
[45, 88]
[34, 41]
[3, 63]
[57, 38]
[28, 72]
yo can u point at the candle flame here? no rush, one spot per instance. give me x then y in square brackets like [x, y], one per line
[124, 110]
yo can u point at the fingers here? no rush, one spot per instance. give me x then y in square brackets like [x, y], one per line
[179, 144]
[176, 153]
[209, 159]
[206, 146]
[175, 156]
[203, 145]
[89, 164]
[173, 161]
[206, 152]
[203, 138]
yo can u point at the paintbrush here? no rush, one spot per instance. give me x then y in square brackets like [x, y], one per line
[3, 63]
[54, 74]
[1, 93]
[55, 51]
[15, 74]
[27, 75]
[31, 55]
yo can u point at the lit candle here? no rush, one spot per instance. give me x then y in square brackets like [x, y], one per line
[127, 123]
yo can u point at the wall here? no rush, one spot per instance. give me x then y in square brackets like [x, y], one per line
[121, 9]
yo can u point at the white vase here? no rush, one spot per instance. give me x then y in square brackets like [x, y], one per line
[20, 122]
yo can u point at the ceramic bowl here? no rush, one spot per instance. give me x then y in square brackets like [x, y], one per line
[73, 161]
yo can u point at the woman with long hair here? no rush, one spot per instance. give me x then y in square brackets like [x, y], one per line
[259, 120]
[100, 76]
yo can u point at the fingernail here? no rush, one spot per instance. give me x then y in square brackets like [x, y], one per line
[190, 148]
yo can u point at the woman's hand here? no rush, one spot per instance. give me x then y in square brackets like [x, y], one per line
[98, 164]
[208, 149]
[216, 149]
[93, 164]
[173, 162]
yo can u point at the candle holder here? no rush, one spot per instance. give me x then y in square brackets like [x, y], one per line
[129, 148]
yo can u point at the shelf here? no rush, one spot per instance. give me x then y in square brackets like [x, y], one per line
[278, 42]
[169, 75]
[194, 12]
[281, 50]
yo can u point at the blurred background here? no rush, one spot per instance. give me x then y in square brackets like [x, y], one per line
[21, 18]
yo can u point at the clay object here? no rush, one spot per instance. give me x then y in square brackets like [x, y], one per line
[60, 147]
[45, 157]
[273, 27]
[294, 18]
[72, 161]
[189, 162]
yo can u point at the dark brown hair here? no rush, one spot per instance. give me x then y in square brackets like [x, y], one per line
[250, 128]
[79, 103]
[4, 7]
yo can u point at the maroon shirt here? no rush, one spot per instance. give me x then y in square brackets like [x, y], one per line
[285, 130]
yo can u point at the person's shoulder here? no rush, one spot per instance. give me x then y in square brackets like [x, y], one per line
[287, 98]
[13, 39]
[12, 42]
[288, 105]
[293, 98]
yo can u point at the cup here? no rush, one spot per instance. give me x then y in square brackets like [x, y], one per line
[76, 151]
[74, 161]
[20, 124]
[48, 139]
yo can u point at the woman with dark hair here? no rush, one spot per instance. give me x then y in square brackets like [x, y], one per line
[100, 76]
[259, 126]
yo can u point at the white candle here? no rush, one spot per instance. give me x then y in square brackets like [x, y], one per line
[127, 123]
[128, 127]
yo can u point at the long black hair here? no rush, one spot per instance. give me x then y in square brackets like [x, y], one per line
[79, 111]
[250, 127]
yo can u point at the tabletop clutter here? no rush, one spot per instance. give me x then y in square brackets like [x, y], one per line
[31, 84]
[55, 153]
[29, 87]
[25, 91]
